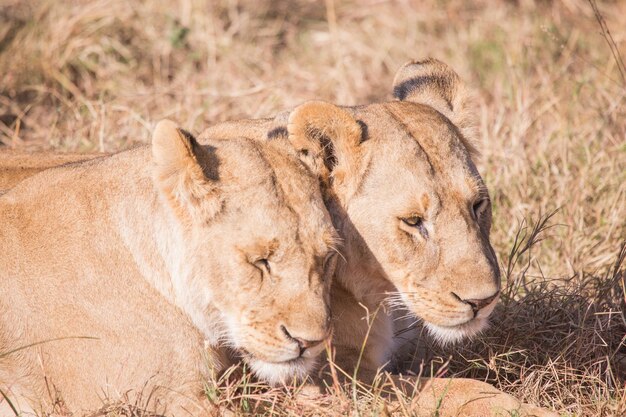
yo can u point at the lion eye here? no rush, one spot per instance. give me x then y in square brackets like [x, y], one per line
[413, 221]
[329, 264]
[416, 222]
[263, 264]
[479, 207]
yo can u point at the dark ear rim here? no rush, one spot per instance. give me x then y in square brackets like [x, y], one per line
[325, 135]
[190, 140]
[406, 87]
[434, 83]
[194, 149]
[279, 130]
[163, 130]
[416, 75]
[205, 159]
[364, 130]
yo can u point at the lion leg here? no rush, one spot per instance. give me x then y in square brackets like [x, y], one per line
[438, 396]
[461, 397]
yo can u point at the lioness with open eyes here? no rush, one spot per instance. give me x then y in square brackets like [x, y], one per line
[414, 215]
[135, 272]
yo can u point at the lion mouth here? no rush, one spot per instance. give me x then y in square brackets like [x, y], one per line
[280, 372]
[299, 361]
[248, 356]
[446, 335]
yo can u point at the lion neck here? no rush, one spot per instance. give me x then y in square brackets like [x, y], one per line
[358, 272]
[158, 246]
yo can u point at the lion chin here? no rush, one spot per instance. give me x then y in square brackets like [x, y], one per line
[445, 335]
[282, 373]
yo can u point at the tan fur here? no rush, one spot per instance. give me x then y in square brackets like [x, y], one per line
[120, 270]
[16, 166]
[433, 83]
[413, 158]
[410, 159]
[412, 155]
[407, 158]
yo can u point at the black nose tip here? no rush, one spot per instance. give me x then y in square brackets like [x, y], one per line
[479, 304]
[303, 344]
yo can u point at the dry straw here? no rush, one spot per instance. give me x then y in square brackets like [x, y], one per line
[97, 75]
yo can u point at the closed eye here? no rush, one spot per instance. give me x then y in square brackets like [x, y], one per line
[416, 223]
[413, 221]
[264, 265]
[329, 264]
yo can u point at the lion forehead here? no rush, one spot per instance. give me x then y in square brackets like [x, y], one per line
[410, 141]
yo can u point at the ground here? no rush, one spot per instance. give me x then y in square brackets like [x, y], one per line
[551, 103]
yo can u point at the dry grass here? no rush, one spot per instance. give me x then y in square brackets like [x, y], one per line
[552, 108]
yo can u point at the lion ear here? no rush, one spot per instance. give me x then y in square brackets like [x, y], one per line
[327, 139]
[180, 174]
[435, 84]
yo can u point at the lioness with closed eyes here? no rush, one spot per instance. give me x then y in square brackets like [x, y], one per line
[146, 271]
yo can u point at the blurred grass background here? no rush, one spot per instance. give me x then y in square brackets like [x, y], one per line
[97, 75]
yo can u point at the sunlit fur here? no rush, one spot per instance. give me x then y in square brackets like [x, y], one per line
[411, 148]
[419, 149]
[415, 156]
[283, 373]
[450, 335]
[150, 254]
[444, 335]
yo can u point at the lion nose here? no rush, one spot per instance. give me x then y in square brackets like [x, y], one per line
[479, 304]
[303, 344]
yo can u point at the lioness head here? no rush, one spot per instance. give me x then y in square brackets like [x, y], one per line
[413, 210]
[256, 248]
